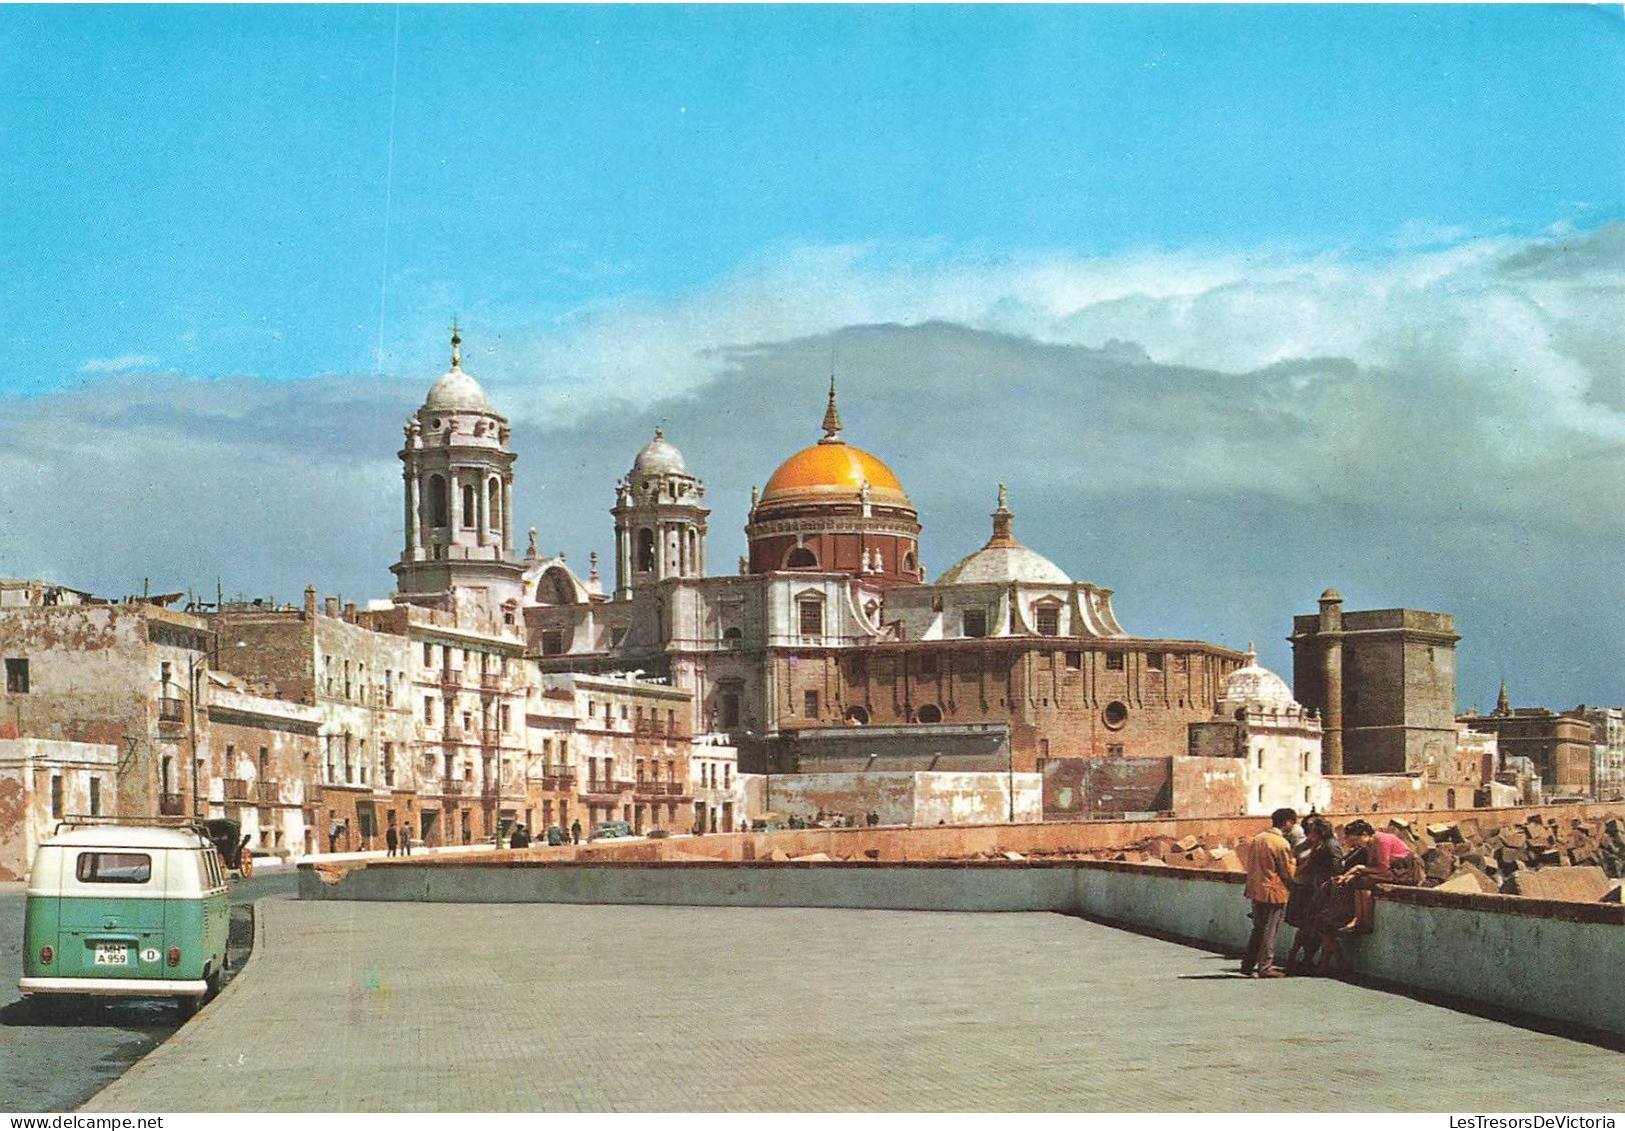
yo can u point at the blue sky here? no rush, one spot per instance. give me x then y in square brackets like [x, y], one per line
[231, 238]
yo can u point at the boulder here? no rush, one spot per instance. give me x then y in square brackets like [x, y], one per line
[1442, 834]
[1583, 884]
[1470, 879]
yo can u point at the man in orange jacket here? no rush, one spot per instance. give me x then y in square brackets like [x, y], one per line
[1270, 867]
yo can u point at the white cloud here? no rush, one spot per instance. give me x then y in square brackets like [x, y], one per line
[98, 366]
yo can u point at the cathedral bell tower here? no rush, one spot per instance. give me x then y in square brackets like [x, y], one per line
[458, 473]
[659, 520]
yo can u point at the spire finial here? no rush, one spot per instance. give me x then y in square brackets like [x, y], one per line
[1003, 518]
[1502, 705]
[456, 345]
[832, 418]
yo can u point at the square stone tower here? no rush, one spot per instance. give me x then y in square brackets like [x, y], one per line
[1384, 682]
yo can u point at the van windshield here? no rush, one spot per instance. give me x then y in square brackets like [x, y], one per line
[114, 867]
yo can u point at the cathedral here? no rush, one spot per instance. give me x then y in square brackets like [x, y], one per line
[830, 649]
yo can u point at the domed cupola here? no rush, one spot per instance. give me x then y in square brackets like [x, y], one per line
[659, 519]
[1004, 559]
[834, 508]
[459, 495]
[1253, 688]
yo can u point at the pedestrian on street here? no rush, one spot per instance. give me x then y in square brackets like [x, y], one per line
[392, 840]
[333, 834]
[406, 840]
[1270, 869]
[575, 831]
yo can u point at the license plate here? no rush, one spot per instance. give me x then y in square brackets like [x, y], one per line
[112, 954]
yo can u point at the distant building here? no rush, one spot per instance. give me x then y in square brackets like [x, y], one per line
[1276, 741]
[1559, 745]
[831, 639]
[1607, 750]
[1384, 685]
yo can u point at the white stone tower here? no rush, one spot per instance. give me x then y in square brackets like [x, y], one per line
[458, 472]
[659, 520]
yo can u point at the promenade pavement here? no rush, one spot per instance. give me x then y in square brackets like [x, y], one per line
[548, 1007]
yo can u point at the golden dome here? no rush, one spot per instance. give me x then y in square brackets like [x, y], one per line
[834, 470]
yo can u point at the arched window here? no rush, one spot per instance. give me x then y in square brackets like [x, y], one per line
[693, 563]
[732, 638]
[646, 550]
[439, 504]
[930, 713]
[493, 503]
[801, 558]
[857, 716]
[908, 563]
[468, 505]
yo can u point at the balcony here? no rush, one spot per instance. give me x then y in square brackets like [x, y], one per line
[268, 792]
[558, 783]
[452, 734]
[171, 805]
[171, 710]
[660, 789]
[491, 681]
[234, 789]
[451, 678]
[606, 787]
[451, 787]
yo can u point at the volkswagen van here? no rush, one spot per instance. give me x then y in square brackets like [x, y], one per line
[127, 911]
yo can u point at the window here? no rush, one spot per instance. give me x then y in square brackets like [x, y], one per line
[592, 708]
[493, 505]
[809, 704]
[931, 713]
[56, 795]
[17, 677]
[468, 506]
[859, 669]
[729, 715]
[801, 558]
[1115, 715]
[1047, 620]
[439, 503]
[114, 868]
[732, 638]
[975, 622]
[812, 617]
[1153, 661]
[1074, 661]
[646, 550]
[1114, 749]
[428, 709]
[95, 797]
[552, 642]
[1114, 661]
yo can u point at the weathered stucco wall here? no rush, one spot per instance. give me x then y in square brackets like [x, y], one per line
[906, 797]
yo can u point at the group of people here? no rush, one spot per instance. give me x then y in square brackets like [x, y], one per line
[398, 840]
[1308, 878]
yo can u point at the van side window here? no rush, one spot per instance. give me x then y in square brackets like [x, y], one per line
[114, 867]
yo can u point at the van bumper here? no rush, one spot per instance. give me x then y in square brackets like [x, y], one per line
[115, 987]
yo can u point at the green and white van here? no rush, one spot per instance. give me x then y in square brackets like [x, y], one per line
[129, 911]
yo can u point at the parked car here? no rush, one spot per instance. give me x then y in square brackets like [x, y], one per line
[603, 830]
[128, 911]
